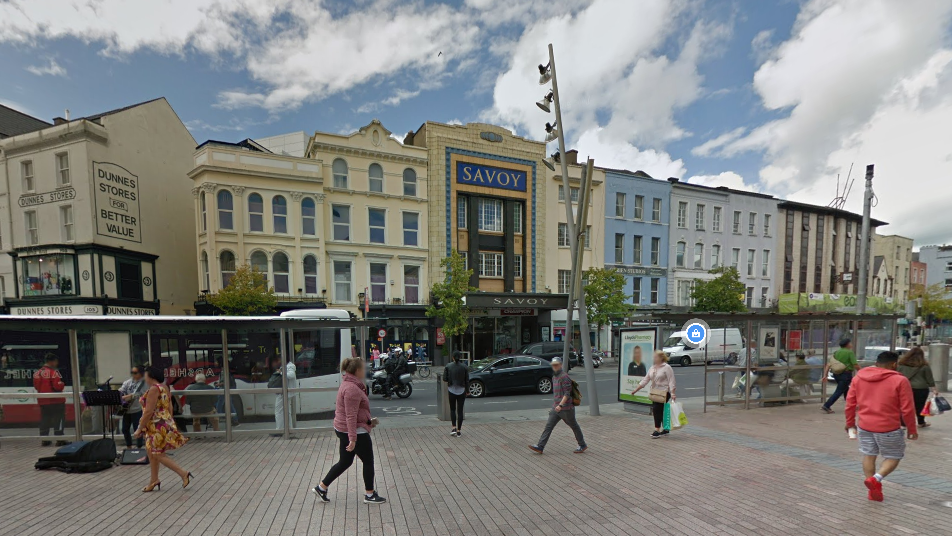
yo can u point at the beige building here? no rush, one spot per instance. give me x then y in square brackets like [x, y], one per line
[343, 223]
[96, 217]
[896, 253]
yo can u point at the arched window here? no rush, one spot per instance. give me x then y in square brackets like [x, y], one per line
[205, 282]
[310, 274]
[340, 173]
[376, 178]
[409, 182]
[280, 267]
[227, 261]
[226, 209]
[259, 262]
[308, 217]
[204, 205]
[255, 213]
[279, 211]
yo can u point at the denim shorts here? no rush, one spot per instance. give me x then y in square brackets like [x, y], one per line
[889, 445]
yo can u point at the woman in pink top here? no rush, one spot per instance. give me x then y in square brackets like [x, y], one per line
[661, 376]
[352, 424]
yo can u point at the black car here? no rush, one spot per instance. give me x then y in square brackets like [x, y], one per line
[511, 372]
[548, 350]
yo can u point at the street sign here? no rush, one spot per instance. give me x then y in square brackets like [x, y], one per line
[381, 333]
[441, 337]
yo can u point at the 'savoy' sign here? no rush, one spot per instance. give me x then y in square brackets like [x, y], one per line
[490, 177]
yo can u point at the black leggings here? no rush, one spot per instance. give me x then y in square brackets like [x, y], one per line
[456, 404]
[130, 422]
[364, 450]
[919, 398]
[657, 410]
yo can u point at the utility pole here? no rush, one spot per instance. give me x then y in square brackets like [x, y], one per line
[585, 195]
[576, 244]
[864, 245]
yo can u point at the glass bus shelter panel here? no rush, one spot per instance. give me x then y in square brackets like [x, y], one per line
[726, 357]
[29, 359]
[873, 337]
[784, 371]
[312, 394]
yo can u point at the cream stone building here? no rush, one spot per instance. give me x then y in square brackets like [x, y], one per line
[343, 225]
[896, 253]
[96, 216]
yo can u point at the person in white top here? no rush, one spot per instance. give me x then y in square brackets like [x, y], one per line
[661, 376]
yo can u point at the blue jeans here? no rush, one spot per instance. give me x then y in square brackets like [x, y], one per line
[843, 380]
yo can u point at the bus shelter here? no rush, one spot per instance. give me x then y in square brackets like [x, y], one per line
[755, 360]
[228, 376]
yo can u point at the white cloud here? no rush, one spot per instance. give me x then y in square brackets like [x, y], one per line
[608, 70]
[617, 154]
[52, 68]
[706, 148]
[727, 178]
[833, 73]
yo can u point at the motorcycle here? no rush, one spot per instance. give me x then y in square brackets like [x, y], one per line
[379, 377]
[598, 357]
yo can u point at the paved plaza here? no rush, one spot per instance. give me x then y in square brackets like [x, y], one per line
[785, 470]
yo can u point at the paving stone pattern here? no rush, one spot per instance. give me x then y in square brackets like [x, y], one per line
[760, 472]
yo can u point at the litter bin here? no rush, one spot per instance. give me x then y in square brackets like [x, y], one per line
[939, 361]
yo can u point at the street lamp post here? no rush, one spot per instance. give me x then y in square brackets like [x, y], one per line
[576, 242]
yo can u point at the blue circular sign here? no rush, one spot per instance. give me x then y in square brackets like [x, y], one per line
[695, 333]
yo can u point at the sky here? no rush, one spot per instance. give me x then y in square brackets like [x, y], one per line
[776, 96]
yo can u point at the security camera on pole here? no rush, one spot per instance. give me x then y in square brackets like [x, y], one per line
[575, 230]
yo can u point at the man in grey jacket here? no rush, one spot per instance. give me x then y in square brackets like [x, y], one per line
[563, 409]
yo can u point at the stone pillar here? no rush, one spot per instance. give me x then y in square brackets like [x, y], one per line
[939, 361]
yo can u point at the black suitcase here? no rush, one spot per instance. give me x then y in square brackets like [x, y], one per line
[134, 457]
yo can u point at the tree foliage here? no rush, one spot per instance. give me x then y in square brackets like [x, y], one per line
[447, 295]
[604, 296]
[247, 294]
[723, 294]
[935, 301]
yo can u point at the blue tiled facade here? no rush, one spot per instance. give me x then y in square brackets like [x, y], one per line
[637, 212]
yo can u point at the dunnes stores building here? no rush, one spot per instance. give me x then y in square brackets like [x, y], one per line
[95, 214]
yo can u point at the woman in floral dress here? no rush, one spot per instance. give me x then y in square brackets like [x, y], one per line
[161, 434]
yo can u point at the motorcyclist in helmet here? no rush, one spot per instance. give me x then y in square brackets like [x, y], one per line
[396, 365]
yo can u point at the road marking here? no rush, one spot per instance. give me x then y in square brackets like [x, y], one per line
[692, 388]
[431, 405]
[502, 402]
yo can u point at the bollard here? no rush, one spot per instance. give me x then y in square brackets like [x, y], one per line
[720, 386]
[442, 399]
[939, 361]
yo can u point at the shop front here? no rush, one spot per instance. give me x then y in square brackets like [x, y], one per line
[502, 323]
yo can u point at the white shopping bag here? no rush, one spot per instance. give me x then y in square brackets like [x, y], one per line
[678, 418]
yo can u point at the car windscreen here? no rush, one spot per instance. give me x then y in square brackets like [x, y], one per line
[673, 341]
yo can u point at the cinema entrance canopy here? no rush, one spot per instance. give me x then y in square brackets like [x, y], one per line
[502, 322]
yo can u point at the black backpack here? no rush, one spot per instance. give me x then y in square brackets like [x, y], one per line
[81, 457]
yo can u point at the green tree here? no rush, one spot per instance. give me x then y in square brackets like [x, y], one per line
[446, 297]
[723, 294]
[247, 294]
[604, 296]
[935, 301]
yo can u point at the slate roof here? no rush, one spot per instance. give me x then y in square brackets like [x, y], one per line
[14, 123]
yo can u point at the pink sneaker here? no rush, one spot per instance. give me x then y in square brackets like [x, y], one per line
[875, 489]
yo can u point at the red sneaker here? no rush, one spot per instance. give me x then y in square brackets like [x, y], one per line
[875, 489]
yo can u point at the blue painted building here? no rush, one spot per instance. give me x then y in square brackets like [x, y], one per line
[637, 214]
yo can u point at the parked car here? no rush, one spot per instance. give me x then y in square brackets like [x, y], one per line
[548, 350]
[509, 372]
[725, 345]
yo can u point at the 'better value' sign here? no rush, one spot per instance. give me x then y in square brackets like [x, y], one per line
[117, 202]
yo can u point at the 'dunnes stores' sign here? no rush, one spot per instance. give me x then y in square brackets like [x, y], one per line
[490, 177]
[117, 202]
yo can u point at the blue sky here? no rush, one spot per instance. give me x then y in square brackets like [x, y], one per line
[777, 96]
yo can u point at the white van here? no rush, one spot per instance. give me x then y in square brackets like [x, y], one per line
[724, 346]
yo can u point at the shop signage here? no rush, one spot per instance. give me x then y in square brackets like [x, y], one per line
[511, 311]
[57, 310]
[440, 337]
[651, 271]
[794, 339]
[64, 194]
[515, 300]
[130, 311]
[117, 202]
[490, 177]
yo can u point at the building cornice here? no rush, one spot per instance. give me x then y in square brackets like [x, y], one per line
[343, 150]
[54, 136]
[208, 168]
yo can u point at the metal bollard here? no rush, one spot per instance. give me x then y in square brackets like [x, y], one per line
[442, 400]
[720, 386]
[939, 361]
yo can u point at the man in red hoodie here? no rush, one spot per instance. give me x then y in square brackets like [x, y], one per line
[52, 410]
[882, 399]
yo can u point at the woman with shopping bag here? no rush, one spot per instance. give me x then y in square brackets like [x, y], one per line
[661, 377]
[916, 369]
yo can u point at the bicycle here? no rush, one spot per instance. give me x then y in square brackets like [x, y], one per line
[423, 369]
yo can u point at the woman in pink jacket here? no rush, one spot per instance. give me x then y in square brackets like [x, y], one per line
[352, 424]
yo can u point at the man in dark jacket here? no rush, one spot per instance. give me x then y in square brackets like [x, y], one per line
[52, 410]
[396, 365]
[456, 376]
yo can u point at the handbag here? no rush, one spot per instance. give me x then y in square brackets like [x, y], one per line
[658, 395]
[942, 404]
[837, 366]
